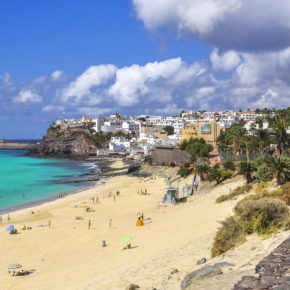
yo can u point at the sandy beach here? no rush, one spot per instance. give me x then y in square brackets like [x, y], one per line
[68, 255]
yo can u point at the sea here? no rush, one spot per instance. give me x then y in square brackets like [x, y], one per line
[27, 180]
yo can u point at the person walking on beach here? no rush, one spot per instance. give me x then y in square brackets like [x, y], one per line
[89, 224]
[49, 224]
[8, 218]
[97, 199]
[110, 223]
[0, 219]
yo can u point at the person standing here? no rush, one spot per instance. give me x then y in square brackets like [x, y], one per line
[0, 219]
[89, 224]
[110, 223]
[49, 224]
[8, 217]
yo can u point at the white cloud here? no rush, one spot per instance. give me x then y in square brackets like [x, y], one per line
[136, 81]
[243, 25]
[82, 88]
[186, 15]
[224, 62]
[27, 96]
[57, 75]
[50, 108]
[170, 109]
[95, 111]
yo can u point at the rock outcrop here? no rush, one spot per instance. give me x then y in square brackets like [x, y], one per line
[273, 271]
[75, 143]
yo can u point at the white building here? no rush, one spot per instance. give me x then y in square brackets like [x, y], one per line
[130, 126]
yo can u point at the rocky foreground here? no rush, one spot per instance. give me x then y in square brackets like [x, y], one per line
[273, 271]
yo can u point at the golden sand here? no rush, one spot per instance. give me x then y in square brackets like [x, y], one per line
[68, 255]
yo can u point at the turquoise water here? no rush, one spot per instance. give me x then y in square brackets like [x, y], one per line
[26, 179]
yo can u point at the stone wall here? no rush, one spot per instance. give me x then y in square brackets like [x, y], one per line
[167, 155]
[18, 146]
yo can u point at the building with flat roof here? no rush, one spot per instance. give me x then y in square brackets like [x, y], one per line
[209, 130]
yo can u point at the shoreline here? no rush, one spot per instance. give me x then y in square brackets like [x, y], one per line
[40, 202]
[100, 163]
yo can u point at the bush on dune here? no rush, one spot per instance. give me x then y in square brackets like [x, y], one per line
[229, 235]
[236, 192]
[262, 216]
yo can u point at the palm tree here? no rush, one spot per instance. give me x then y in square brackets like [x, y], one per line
[279, 166]
[263, 139]
[236, 135]
[202, 170]
[215, 173]
[279, 127]
[246, 168]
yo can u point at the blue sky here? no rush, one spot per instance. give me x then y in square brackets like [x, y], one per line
[66, 59]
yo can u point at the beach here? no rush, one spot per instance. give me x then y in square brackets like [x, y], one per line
[68, 255]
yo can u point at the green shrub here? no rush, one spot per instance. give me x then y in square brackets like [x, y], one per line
[262, 216]
[229, 165]
[237, 191]
[228, 236]
[184, 171]
[59, 134]
[263, 174]
[226, 174]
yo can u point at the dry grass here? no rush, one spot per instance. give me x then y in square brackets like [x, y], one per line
[236, 192]
[228, 236]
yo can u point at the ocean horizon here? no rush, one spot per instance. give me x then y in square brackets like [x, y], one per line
[26, 180]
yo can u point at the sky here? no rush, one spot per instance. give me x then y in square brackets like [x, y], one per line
[68, 59]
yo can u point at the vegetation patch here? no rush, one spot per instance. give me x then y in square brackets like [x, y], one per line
[184, 171]
[262, 216]
[236, 192]
[229, 235]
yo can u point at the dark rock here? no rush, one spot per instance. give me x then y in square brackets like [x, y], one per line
[207, 271]
[201, 261]
[132, 287]
[223, 264]
[273, 271]
[174, 271]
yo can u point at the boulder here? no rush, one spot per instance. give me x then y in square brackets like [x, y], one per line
[132, 287]
[205, 272]
[201, 261]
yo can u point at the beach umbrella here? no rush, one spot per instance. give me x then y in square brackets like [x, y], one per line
[127, 239]
[14, 266]
[10, 228]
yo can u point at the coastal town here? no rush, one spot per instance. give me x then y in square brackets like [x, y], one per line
[135, 137]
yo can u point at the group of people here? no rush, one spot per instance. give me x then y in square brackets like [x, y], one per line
[60, 195]
[24, 228]
[145, 192]
[1, 219]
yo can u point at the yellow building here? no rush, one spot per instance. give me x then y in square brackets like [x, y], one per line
[208, 130]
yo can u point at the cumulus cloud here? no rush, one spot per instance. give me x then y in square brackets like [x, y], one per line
[224, 62]
[156, 80]
[53, 108]
[57, 75]
[244, 25]
[169, 109]
[134, 81]
[27, 96]
[83, 87]
[95, 111]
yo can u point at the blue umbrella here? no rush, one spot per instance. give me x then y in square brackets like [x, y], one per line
[14, 266]
[10, 228]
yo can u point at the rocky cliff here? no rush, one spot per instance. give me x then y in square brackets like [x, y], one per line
[75, 143]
